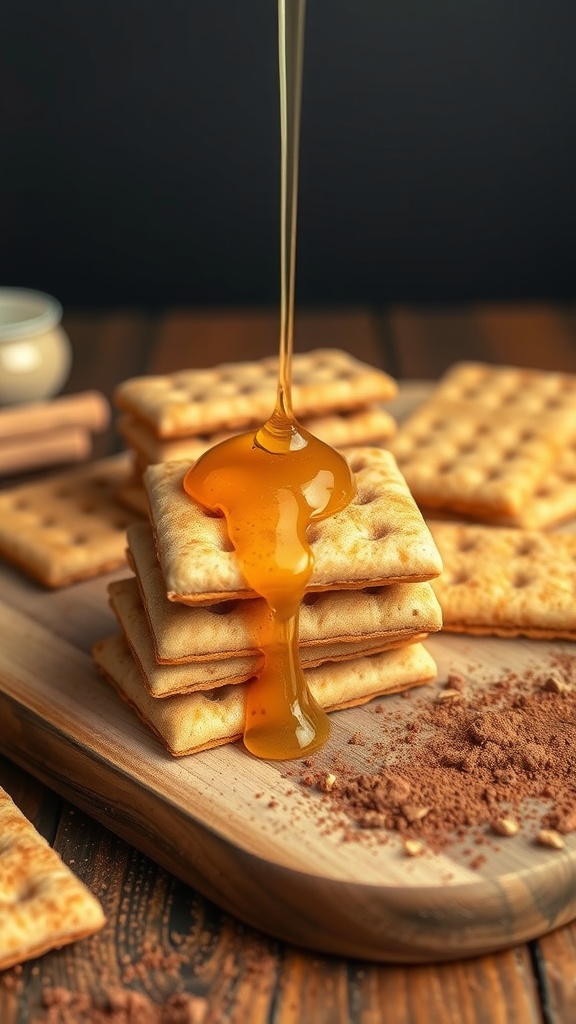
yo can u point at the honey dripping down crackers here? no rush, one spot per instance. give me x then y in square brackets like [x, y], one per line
[271, 484]
[273, 515]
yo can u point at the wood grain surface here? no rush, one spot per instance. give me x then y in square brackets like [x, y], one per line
[207, 818]
[163, 937]
[238, 829]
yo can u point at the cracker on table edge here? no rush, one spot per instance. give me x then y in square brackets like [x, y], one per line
[51, 906]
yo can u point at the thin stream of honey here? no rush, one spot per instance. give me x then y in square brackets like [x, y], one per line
[271, 484]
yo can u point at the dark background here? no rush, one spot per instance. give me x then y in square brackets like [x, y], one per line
[139, 151]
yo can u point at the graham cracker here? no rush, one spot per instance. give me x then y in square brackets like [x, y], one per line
[506, 582]
[43, 905]
[380, 538]
[165, 680]
[190, 723]
[486, 439]
[234, 395]
[183, 633]
[553, 501]
[68, 526]
[361, 426]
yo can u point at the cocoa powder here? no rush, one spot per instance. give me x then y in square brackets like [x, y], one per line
[502, 758]
[123, 1006]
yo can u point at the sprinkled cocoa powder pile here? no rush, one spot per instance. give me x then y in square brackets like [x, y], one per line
[470, 760]
[122, 1006]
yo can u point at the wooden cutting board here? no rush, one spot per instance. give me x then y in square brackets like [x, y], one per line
[242, 831]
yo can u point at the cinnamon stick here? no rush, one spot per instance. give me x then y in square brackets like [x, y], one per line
[87, 409]
[48, 448]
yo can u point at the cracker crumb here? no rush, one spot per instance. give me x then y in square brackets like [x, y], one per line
[448, 695]
[554, 684]
[505, 826]
[327, 782]
[415, 813]
[549, 837]
[413, 848]
[475, 763]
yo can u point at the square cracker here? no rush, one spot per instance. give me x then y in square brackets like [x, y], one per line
[202, 633]
[554, 499]
[365, 425]
[189, 723]
[43, 905]
[506, 582]
[233, 395]
[486, 438]
[379, 538]
[68, 526]
[188, 677]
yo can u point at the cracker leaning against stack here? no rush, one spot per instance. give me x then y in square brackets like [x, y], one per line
[496, 446]
[190, 628]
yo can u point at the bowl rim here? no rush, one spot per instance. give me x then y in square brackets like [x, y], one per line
[33, 312]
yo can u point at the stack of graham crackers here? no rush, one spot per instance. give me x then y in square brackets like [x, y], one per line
[495, 447]
[167, 418]
[191, 630]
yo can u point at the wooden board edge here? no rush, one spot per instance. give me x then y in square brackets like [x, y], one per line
[326, 915]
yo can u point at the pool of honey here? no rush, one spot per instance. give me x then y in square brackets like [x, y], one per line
[270, 485]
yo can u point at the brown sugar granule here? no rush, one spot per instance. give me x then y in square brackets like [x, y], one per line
[473, 762]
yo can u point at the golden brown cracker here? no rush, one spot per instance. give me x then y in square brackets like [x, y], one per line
[183, 633]
[162, 680]
[189, 723]
[43, 905]
[486, 438]
[68, 526]
[234, 395]
[506, 582]
[366, 425]
[380, 538]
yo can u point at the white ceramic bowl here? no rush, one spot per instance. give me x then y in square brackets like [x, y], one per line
[35, 352]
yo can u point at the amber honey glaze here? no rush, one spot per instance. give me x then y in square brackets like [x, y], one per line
[270, 484]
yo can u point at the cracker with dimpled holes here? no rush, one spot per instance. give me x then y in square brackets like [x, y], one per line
[486, 439]
[43, 905]
[394, 613]
[188, 723]
[68, 526]
[368, 425]
[234, 395]
[554, 500]
[506, 582]
[166, 680]
[379, 538]
[340, 429]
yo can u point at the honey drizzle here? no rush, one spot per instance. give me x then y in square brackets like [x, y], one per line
[291, 16]
[272, 483]
[280, 430]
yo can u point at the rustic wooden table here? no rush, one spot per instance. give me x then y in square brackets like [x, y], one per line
[162, 938]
